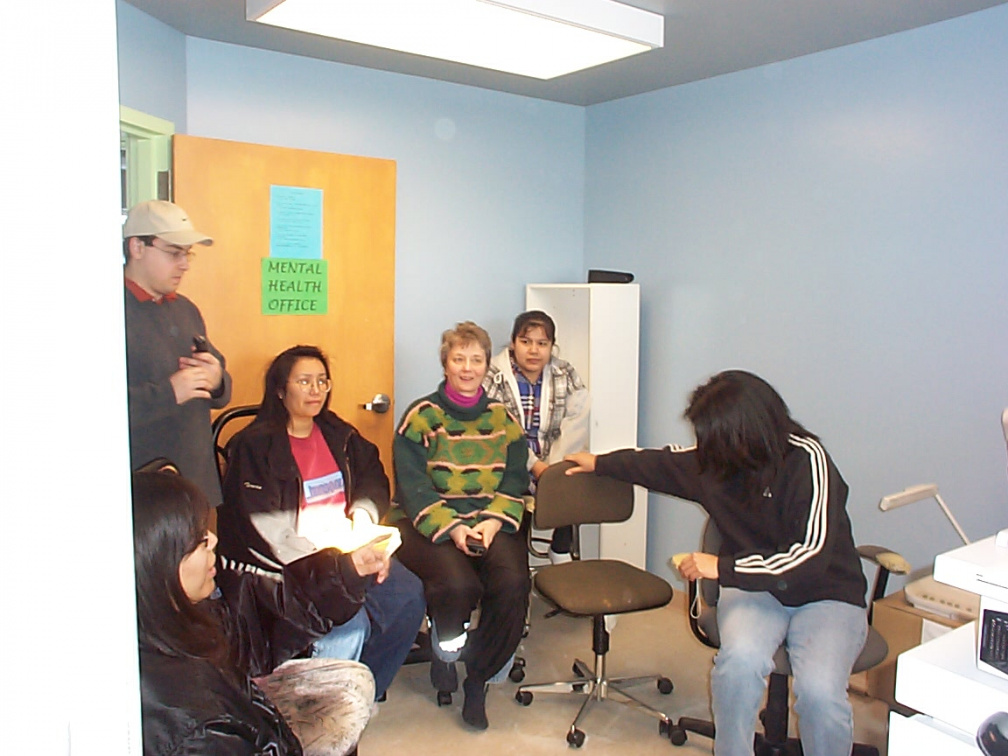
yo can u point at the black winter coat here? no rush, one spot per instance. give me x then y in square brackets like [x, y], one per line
[262, 480]
[190, 707]
[793, 541]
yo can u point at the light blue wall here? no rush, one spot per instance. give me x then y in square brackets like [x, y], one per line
[839, 224]
[489, 185]
[152, 66]
[836, 223]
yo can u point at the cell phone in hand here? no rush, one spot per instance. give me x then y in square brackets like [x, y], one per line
[475, 546]
[200, 343]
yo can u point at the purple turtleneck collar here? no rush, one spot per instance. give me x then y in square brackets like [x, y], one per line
[462, 401]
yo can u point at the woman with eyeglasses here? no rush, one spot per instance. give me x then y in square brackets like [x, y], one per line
[299, 471]
[204, 634]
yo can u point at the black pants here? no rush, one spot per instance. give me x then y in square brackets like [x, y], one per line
[455, 584]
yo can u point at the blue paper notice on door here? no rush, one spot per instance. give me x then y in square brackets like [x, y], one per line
[295, 222]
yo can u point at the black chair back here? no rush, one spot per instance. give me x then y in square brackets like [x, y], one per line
[224, 421]
[563, 499]
[710, 543]
[159, 464]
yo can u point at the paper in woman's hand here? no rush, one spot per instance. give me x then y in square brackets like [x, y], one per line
[346, 536]
[385, 538]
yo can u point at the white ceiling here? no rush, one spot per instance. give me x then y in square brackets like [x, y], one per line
[703, 38]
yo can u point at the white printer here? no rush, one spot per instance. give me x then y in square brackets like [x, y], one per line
[982, 568]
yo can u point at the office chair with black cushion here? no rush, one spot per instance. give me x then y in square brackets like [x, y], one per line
[593, 588]
[774, 740]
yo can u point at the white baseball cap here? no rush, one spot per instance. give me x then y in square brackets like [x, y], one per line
[164, 220]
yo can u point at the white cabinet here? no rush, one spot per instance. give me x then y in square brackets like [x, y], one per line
[598, 332]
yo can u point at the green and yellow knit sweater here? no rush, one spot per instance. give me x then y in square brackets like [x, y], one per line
[458, 465]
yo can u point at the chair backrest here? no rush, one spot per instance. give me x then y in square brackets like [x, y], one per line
[159, 464]
[563, 499]
[710, 543]
[224, 421]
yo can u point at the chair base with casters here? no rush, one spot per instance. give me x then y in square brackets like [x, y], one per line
[574, 586]
[596, 686]
[774, 740]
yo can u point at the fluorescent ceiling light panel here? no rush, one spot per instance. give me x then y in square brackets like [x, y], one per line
[537, 38]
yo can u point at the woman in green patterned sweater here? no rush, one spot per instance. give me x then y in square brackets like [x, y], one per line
[460, 463]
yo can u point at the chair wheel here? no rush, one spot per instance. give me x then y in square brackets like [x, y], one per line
[575, 738]
[577, 670]
[674, 733]
[444, 698]
[517, 671]
[523, 697]
[578, 687]
[664, 686]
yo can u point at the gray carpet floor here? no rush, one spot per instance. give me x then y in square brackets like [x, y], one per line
[659, 641]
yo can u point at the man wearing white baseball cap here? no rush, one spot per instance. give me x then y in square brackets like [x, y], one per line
[175, 374]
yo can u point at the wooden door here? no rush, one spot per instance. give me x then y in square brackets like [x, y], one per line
[225, 188]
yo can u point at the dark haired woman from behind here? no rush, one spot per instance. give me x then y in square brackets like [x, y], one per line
[204, 635]
[788, 568]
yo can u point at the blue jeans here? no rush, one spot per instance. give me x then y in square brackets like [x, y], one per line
[823, 640]
[345, 641]
[381, 634]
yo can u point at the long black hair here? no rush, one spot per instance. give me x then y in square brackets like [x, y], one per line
[170, 520]
[742, 426]
[272, 409]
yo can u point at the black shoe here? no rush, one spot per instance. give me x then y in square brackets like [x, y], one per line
[474, 708]
[443, 676]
